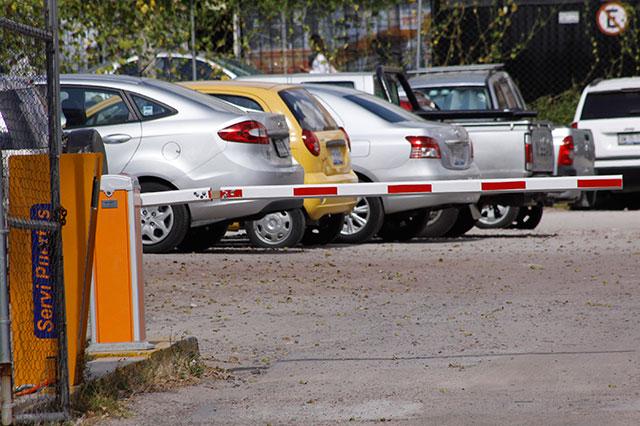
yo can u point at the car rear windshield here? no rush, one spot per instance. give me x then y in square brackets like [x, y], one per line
[311, 115]
[383, 109]
[611, 105]
[459, 98]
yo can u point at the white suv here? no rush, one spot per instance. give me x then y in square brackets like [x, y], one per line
[611, 110]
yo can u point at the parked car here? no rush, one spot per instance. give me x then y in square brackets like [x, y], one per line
[508, 142]
[317, 143]
[171, 137]
[174, 66]
[611, 110]
[390, 144]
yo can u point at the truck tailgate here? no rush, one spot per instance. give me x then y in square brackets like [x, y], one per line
[542, 148]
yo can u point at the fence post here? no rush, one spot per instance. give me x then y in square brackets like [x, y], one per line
[55, 142]
[5, 324]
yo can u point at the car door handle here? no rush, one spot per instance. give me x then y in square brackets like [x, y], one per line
[117, 138]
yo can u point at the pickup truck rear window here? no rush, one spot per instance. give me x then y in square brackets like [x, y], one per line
[459, 98]
[620, 104]
[311, 115]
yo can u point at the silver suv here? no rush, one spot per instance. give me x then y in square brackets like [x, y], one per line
[171, 137]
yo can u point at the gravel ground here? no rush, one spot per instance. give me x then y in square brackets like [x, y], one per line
[499, 327]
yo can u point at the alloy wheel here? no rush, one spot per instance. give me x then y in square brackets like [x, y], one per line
[157, 223]
[355, 221]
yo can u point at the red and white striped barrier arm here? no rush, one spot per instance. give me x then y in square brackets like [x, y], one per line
[379, 189]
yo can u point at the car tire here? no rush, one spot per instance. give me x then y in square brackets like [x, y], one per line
[277, 230]
[325, 231]
[403, 226]
[464, 223]
[586, 201]
[440, 222]
[200, 238]
[494, 216]
[529, 217]
[163, 227]
[363, 222]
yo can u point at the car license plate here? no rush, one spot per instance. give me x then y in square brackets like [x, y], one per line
[457, 155]
[628, 138]
[336, 155]
[282, 149]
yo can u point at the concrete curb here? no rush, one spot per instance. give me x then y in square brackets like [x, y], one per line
[126, 375]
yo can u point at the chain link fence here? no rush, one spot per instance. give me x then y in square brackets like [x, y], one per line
[31, 212]
[548, 46]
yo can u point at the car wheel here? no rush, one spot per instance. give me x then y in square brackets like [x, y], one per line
[277, 230]
[325, 231]
[163, 227]
[364, 221]
[464, 223]
[404, 226]
[497, 216]
[586, 201]
[202, 237]
[440, 221]
[529, 217]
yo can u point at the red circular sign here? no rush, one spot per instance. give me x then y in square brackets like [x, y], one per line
[612, 19]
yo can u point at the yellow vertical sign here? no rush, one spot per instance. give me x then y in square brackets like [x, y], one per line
[31, 286]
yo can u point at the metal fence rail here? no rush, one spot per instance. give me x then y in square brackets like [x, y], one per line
[32, 316]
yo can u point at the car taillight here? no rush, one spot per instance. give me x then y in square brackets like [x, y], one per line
[245, 132]
[346, 138]
[565, 156]
[574, 125]
[528, 152]
[406, 105]
[311, 142]
[423, 147]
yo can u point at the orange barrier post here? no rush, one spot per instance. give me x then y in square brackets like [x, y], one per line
[117, 309]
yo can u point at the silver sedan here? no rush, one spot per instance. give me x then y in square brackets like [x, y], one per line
[391, 144]
[171, 137]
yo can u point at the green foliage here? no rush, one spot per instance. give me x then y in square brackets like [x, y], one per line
[115, 30]
[558, 109]
[450, 27]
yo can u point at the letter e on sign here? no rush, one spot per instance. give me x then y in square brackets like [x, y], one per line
[612, 19]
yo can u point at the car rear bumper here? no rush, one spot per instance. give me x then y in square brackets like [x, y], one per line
[319, 207]
[214, 211]
[630, 174]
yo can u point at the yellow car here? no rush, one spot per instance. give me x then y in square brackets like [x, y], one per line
[317, 143]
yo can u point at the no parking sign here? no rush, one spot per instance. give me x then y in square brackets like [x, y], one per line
[612, 19]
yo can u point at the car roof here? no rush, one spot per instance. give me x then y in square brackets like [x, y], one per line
[613, 84]
[249, 84]
[102, 78]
